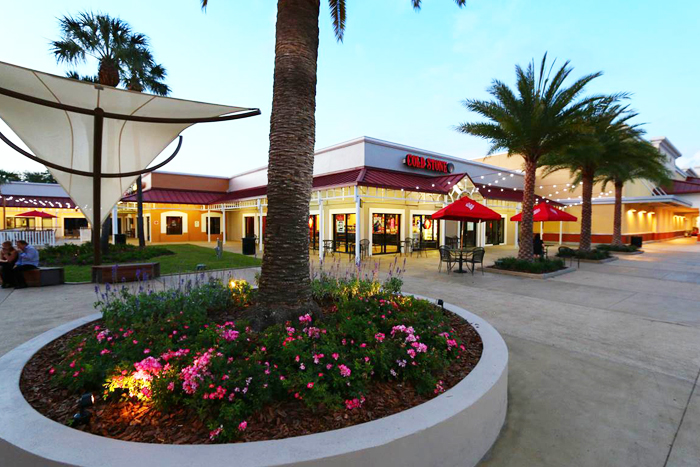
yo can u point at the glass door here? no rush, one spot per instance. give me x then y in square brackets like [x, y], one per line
[495, 232]
[468, 234]
[313, 232]
[425, 231]
[386, 233]
[344, 233]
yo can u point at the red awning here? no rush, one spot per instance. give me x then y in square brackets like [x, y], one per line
[24, 201]
[409, 182]
[466, 209]
[44, 215]
[543, 212]
[159, 195]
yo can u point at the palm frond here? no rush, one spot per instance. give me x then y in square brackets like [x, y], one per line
[338, 16]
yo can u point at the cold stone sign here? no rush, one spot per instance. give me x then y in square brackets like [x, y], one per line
[434, 165]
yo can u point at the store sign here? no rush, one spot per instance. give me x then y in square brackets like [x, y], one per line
[340, 226]
[434, 165]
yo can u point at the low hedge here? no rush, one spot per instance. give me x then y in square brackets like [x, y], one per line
[623, 248]
[538, 266]
[79, 255]
[596, 254]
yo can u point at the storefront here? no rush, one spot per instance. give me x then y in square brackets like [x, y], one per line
[426, 232]
[386, 233]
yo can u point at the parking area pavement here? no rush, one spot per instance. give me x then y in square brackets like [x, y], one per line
[604, 361]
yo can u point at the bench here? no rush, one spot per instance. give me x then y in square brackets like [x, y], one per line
[115, 273]
[44, 276]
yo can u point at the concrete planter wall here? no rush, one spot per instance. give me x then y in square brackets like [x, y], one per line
[455, 429]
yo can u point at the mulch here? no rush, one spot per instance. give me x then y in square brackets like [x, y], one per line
[140, 421]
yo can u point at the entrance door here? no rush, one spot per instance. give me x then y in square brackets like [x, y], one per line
[313, 232]
[495, 232]
[386, 233]
[468, 234]
[426, 231]
[344, 233]
[249, 226]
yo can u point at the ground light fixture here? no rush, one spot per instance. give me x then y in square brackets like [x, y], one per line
[441, 303]
[83, 416]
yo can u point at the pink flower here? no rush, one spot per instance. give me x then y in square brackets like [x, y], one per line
[135, 341]
[213, 434]
[72, 364]
[363, 345]
[411, 353]
[305, 319]
[310, 385]
[242, 426]
[52, 371]
[379, 336]
[344, 371]
[354, 403]
[335, 356]
[171, 386]
[105, 352]
[146, 351]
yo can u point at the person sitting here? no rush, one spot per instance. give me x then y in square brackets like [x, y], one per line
[8, 258]
[537, 246]
[28, 259]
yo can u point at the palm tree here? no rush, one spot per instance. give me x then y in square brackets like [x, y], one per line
[123, 56]
[542, 116]
[607, 123]
[285, 288]
[635, 159]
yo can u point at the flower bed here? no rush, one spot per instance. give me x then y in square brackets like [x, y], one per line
[179, 366]
[70, 254]
[537, 266]
[594, 255]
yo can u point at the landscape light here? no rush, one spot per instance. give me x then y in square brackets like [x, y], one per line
[511, 175]
[83, 416]
[440, 303]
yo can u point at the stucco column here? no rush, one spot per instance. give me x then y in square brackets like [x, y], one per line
[208, 225]
[260, 225]
[358, 230]
[321, 226]
[223, 213]
[561, 228]
[114, 224]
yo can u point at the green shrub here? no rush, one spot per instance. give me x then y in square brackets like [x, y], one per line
[537, 266]
[82, 254]
[161, 347]
[624, 248]
[595, 254]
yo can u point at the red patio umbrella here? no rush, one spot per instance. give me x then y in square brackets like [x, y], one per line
[545, 212]
[466, 209]
[43, 215]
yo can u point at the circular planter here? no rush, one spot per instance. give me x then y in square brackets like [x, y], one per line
[456, 428]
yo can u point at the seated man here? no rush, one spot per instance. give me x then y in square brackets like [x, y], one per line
[537, 247]
[28, 259]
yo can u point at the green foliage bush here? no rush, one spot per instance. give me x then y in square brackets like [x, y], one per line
[162, 347]
[537, 266]
[70, 254]
[624, 248]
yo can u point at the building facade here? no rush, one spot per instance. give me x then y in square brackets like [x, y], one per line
[374, 196]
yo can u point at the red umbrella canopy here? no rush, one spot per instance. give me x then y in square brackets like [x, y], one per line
[44, 215]
[545, 212]
[466, 209]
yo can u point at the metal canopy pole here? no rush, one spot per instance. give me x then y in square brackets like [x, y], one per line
[97, 184]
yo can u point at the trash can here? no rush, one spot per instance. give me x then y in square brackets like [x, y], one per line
[249, 245]
[636, 240]
[120, 239]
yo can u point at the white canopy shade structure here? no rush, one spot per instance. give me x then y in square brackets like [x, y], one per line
[96, 140]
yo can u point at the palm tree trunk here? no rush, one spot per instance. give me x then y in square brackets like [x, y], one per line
[617, 219]
[285, 289]
[108, 73]
[525, 250]
[586, 210]
[139, 214]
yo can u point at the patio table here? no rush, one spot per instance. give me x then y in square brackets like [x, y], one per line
[463, 254]
[328, 247]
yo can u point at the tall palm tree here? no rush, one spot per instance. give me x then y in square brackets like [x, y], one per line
[540, 117]
[285, 289]
[607, 123]
[635, 159]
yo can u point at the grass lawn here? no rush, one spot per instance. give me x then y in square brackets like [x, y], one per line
[185, 259]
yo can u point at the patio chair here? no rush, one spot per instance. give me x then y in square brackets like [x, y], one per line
[447, 257]
[566, 252]
[416, 246]
[452, 242]
[364, 248]
[408, 246]
[477, 256]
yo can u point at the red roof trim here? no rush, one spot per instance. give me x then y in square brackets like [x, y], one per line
[691, 185]
[24, 201]
[167, 196]
[508, 194]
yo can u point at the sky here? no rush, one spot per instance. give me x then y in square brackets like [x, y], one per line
[399, 75]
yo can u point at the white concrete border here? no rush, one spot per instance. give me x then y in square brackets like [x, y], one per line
[530, 275]
[456, 428]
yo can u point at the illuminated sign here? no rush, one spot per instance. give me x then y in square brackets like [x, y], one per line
[434, 165]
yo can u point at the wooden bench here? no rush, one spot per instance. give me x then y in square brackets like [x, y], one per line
[115, 273]
[44, 276]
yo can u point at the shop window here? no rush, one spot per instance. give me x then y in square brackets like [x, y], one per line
[174, 225]
[72, 226]
[344, 233]
[426, 231]
[386, 233]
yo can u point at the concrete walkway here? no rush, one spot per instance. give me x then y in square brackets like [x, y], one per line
[604, 362]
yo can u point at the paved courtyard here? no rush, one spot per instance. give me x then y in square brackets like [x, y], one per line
[604, 362]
